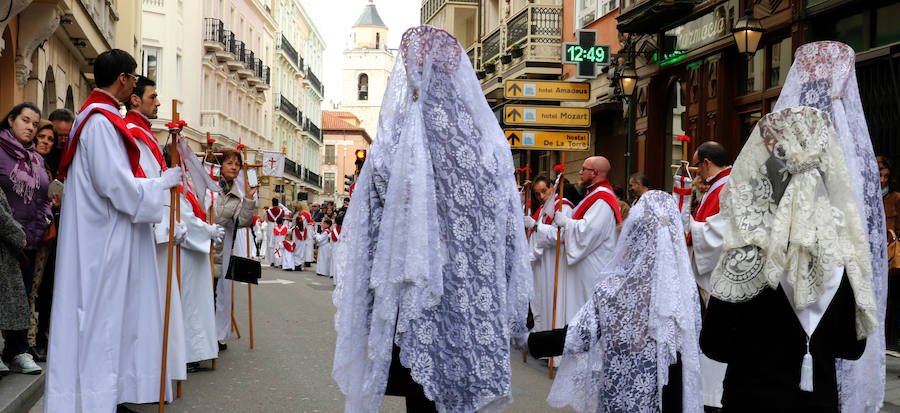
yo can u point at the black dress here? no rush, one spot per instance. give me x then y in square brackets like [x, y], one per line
[763, 343]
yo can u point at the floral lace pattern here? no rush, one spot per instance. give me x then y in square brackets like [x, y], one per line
[445, 275]
[804, 232]
[643, 313]
[823, 76]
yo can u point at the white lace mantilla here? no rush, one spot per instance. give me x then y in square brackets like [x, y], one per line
[643, 313]
[436, 259]
[823, 76]
[790, 214]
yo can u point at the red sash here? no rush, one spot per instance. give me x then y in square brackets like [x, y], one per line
[141, 131]
[709, 204]
[288, 246]
[306, 217]
[281, 230]
[87, 110]
[335, 233]
[547, 219]
[597, 194]
[272, 217]
[300, 235]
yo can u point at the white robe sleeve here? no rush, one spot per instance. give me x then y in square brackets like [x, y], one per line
[584, 236]
[707, 238]
[140, 199]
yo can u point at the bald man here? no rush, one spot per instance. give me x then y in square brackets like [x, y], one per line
[590, 234]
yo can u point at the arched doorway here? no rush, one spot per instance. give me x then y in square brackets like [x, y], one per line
[49, 103]
[70, 99]
[7, 73]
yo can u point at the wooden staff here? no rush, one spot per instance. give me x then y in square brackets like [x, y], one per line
[562, 184]
[212, 249]
[249, 285]
[173, 199]
[174, 150]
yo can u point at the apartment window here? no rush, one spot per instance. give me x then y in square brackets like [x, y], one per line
[329, 154]
[329, 182]
[377, 40]
[767, 69]
[151, 64]
[362, 86]
[586, 11]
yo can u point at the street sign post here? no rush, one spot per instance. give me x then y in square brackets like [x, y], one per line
[555, 140]
[525, 89]
[585, 54]
[546, 116]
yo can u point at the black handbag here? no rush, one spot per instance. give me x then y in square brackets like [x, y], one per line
[242, 269]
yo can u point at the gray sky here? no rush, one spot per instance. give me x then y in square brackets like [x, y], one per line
[333, 18]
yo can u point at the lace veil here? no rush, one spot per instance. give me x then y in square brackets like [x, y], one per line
[438, 259]
[823, 76]
[644, 311]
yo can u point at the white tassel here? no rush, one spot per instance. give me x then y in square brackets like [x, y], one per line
[806, 371]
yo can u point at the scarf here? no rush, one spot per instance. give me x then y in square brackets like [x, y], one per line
[24, 175]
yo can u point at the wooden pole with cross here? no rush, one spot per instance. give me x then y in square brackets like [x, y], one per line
[561, 183]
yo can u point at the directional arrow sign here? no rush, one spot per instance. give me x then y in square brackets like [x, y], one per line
[546, 116]
[547, 90]
[557, 140]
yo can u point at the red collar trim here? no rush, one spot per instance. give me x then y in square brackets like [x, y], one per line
[723, 173]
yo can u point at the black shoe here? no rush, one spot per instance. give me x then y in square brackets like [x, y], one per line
[39, 355]
[122, 409]
[193, 367]
[223, 346]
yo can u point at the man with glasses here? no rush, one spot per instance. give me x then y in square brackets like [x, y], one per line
[106, 327]
[590, 234]
[706, 236]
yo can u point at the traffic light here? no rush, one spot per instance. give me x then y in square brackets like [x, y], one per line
[360, 155]
[348, 180]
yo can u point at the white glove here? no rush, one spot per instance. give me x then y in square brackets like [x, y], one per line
[560, 221]
[180, 232]
[529, 222]
[170, 177]
[218, 234]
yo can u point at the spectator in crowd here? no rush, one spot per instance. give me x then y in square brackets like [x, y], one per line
[45, 140]
[624, 207]
[316, 212]
[62, 120]
[25, 182]
[891, 210]
[637, 185]
[344, 206]
[13, 301]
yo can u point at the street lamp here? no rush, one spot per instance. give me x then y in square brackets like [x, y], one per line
[627, 82]
[747, 32]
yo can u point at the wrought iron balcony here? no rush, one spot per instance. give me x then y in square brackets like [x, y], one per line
[537, 31]
[490, 47]
[315, 131]
[268, 73]
[289, 50]
[230, 42]
[314, 81]
[648, 16]
[431, 7]
[288, 108]
[214, 34]
[312, 178]
[292, 168]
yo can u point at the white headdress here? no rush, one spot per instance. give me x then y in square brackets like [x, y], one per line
[438, 260]
[823, 76]
[644, 311]
[789, 216]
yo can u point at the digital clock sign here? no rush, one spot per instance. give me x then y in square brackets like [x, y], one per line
[585, 54]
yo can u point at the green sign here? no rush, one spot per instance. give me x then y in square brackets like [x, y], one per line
[597, 54]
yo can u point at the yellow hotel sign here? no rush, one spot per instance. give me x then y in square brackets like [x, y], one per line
[548, 139]
[546, 90]
[546, 116]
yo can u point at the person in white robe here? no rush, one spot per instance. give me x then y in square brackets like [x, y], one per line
[279, 231]
[142, 106]
[589, 234]
[106, 333]
[323, 239]
[542, 247]
[287, 261]
[300, 235]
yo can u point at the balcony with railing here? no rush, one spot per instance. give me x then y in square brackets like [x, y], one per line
[249, 65]
[312, 178]
[289, 52]
[474, 53]
[239, 55]
[213, 35]
[314, 82]
[228, 43]
[648, 16]
[291, 168]
[432, 7]
[536, 31]
[283, 105]
[315, 131]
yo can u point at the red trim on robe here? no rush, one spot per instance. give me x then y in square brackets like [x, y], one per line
[289, 246]
[142, 133]
[273, 217]
[131, 148]
[607, 197]
[283, 231]
[711, 206]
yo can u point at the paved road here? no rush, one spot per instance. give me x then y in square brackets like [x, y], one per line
[290, 368]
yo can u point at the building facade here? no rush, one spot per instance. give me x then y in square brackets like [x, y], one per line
[298, 103]
[343, 137]
[367, 66]
[48, 47]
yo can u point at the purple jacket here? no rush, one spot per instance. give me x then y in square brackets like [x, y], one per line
[31, 204]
